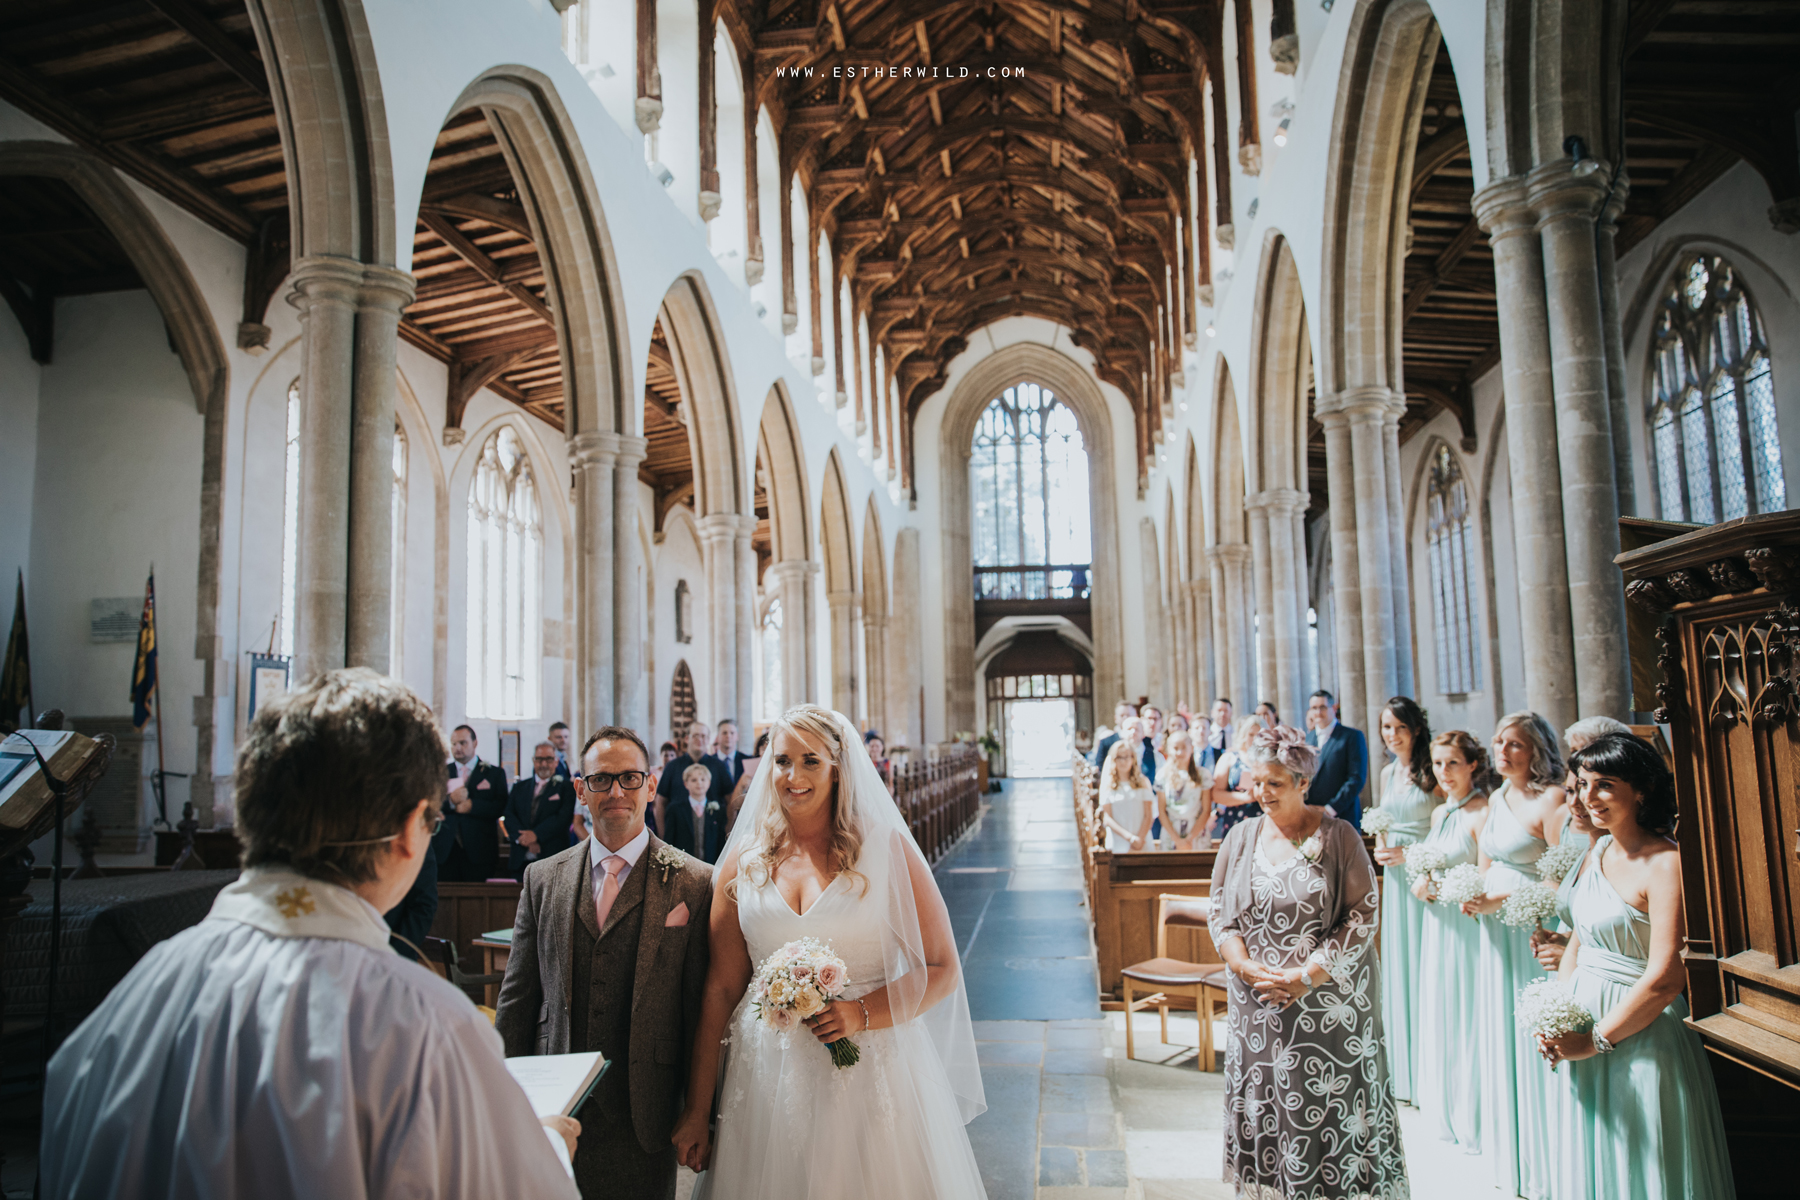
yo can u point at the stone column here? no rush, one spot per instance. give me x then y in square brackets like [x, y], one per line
[1206, 641]
[1346, 577]
[875, 670]
[843, 651]
[1261, 638]
[327, 291]
[1567, 206]
[793, 579]
[1223, 647]
[1286, 572]
[1541, 585]
[1405, 674]
[718, 551]
[1235, 601]
[592, 455]
[631, 682]
[369, 568]
[1155, 618]
[744, 610]
[1180, 644]
[1366, 408]
[1624, 477]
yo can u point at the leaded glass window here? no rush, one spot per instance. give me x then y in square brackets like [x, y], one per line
[1714, 441]
[1028, 476]
[771, 661]
[1449, 543]
[506, 555]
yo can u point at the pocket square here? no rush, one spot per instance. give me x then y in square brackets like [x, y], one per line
[677, 916]
[483, 786]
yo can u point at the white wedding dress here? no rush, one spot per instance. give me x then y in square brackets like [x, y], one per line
[794, 1127]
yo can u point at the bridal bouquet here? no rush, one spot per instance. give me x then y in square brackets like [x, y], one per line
[1463, 883]
[1548, 1009]
[1378, 821]
[1529, 907]
[1423, 860]
[1556, 862]
[797, 982]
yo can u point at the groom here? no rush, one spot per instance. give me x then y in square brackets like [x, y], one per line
[609, 953]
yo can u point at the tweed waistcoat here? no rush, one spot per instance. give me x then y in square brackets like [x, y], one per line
[600, 978]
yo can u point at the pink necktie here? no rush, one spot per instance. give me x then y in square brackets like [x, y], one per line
[612, 864]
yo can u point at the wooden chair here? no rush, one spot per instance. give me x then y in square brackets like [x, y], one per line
[1165, 977]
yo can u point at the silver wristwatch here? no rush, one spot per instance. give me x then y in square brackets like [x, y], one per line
[1601, 1045]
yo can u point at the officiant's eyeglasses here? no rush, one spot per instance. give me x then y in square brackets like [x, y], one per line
[602, 781]
[434, 821]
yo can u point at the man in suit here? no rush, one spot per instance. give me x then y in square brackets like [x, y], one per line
[539, 812]
[468, 846]
[696, 822]
[672, 791]
[1343, 760]
[1123, 711]
[1220, 739]
[618, 914]
[559, 737]
[726, 750]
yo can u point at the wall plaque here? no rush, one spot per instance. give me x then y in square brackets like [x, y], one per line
[114, 618]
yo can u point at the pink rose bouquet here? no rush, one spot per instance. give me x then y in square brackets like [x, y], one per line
[797, 982]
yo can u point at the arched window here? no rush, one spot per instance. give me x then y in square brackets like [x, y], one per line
[1450, 547]
[771, 661]
[506, 554]
[397, 559]
[1712, 408]
[1028, 479]
[290, 522]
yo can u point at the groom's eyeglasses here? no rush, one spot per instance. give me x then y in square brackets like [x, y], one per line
[602, 781]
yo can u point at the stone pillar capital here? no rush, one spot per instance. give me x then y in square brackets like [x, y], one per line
[594, 448]
[1232, 554]
[1358, 401]
[792, 570]
[1557, 193]
[1503, 208]
[387, 288]
[843, 599]
[325, 277]
[629, 450]
[718, 527]
[1277, 502]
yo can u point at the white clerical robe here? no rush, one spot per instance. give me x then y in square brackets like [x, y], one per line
[280, 1049]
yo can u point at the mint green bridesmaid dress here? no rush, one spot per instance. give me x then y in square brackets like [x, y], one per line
[1402, 930]
[1641, 1123]
[1447, 1073]
[1514, 1090]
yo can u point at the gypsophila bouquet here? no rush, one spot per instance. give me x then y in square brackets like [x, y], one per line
[1556, 862]
[1462, 883]
[1529, 907]
[1548, 1009]
[797, 982]
[1424, 860]
[1378, 821]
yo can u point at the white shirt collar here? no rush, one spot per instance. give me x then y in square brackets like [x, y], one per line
[631, 851]
[1325, 733]
[285, 903]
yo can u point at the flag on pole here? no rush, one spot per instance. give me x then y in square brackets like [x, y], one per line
[15, 677]
[143, 674]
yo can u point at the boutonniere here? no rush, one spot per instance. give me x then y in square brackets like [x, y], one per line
[712, 806]
[669, 859]
[1311, 849]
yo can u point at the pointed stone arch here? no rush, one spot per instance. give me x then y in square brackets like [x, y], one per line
[1077, 387]
[781, 480]
[1229, 553]
[1197, 593]
[837, 541]
[875, 620]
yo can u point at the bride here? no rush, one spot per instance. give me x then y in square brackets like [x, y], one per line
[821, 851]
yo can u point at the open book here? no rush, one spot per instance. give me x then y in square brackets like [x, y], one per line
[557, 1084]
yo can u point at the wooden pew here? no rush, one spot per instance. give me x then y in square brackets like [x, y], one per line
[1123, 901]
[468, 910]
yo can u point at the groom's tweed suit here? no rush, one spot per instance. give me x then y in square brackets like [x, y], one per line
[631, 990]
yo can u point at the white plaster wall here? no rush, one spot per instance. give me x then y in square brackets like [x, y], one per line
[20, 380]
[677, 557]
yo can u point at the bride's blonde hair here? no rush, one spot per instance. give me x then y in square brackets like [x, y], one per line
[763, 853]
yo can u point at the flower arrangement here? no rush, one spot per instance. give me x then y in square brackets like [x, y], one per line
[1463, 883]
[989, 743]
[1529, 907]
[1378, 821]
[1556, 862]
[797, 982]
[1548, 1009]
[1423, 860]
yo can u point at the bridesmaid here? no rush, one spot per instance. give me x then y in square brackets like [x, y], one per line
[1448, 1078]
[1183, 792]
[1546, 944]
[1527, 807]
[1644, 1118]
[1409, 793]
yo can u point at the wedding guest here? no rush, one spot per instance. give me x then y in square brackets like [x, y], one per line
[725, 749]
[672, 788]
[1408, 794]
[559, 737]
[1179, 720]
[1184, 799]
[468, 848]
[878, 755]
[696, 820]
[736, 801]
[539, 812]
[1548, 944]
[1220, 740]
[1343, 759]
[1231, 799]
[1642, 1110]
[1583, 734]
[1151, 718]
[1523, 814]
[1266, 713]
[1309, 1111]
[1125, 796]
[1123, 711]
[1446, 1074]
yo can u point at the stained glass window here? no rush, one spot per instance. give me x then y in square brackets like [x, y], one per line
[1450, 543]
[1715, 445]
[506, 555]
[1028, 475]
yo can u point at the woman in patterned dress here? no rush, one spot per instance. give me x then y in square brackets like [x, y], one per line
[1309, 1111]
[1231, 802]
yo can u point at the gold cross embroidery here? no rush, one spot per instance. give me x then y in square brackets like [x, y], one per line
[293, 903]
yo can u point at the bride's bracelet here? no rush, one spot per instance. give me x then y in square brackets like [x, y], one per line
[865, 1009]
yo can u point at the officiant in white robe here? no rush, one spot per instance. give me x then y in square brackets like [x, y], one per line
[281, 1048]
